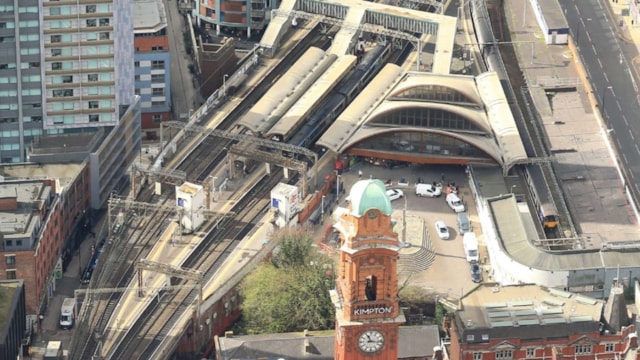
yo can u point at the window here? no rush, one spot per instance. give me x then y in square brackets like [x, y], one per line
[157, 48]
[156, 118]
[157, 64]
[103, 36]
[92, 77]
[6, 8]
[9, 243]
[609, 347]
[136, 78]
[136, 64]
[28, 9]
[583, 349]
[7, 25]
[104, 22]
[158, 92]
[29, 51]
[31, 92]
[531, 352]
[10, 259]
[157, 78]
[470, 337]
[477, 356]
[54, 11]
[56, 66]
[30, 37]
[94, 118]
[93, 104]
[7, 39]
[62, 92]
[91, 22]
[7, 66]
[157, 103]
[11, 274]
[56, 38]
[90, 9]
[18, 242]
[67, 79]
[504, 354]
[28, 23]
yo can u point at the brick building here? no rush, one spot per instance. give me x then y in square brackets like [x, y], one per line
[38, 212]
[534, 322]
[152, 64]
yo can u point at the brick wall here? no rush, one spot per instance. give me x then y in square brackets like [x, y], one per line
[145, 43]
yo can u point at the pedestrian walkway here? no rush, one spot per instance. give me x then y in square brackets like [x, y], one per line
[49, 328]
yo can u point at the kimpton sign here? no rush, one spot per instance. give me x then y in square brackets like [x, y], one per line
[373, 310]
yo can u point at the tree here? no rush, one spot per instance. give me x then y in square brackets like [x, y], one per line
[291, 292]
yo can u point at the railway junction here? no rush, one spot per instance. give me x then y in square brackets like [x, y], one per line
[169, 285]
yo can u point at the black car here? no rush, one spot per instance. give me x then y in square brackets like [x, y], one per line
[476, 272]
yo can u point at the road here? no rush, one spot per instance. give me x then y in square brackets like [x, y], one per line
[184, 96]
[607, 60]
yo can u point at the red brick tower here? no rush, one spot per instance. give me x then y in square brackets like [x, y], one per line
[366, 299]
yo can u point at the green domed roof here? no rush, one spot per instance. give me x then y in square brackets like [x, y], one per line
[369, 194]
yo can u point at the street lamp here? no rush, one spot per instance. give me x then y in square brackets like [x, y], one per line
[224, 84]
[337, 186]
[604, 98]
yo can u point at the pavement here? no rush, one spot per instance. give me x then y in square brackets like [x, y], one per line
[65, 287]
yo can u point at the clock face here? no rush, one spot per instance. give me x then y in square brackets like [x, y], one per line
[371, 341]
[372, 214]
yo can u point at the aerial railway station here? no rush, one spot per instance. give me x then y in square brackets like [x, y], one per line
[334, 103]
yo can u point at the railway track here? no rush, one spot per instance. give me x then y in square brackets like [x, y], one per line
[157, 319]
[160, 316]
[132, 243]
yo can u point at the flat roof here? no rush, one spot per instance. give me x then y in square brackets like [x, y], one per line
[64, 172]
[553, 14]
[148, 16]
[491, 306]
[8, 290]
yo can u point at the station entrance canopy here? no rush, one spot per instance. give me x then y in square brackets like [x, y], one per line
[371, 17]
[429, 116]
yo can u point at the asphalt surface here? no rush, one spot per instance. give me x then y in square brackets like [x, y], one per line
[184, 95]
[606, 58]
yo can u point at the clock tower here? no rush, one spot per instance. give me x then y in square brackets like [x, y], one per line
[366, 295]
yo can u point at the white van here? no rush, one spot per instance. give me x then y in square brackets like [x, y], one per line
[455, 203]
[470, 243]
[428, 190]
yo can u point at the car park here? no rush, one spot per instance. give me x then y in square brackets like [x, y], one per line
[455, 203]
[464, 224]
[442, 230]
[476, 272]
[428, 190]
[395, 194]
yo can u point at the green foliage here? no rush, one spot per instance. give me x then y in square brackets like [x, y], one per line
[291, 292]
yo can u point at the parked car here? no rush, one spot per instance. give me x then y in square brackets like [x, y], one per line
[455, 203]
[428, 190]
[464, 224]
[442, 230]
[476, 272]
[395, 194]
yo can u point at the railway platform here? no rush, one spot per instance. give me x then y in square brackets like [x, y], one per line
[571, 120]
